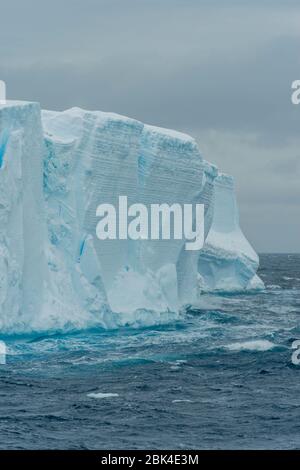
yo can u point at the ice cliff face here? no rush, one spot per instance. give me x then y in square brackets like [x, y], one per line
[54, 272]
[22, 215]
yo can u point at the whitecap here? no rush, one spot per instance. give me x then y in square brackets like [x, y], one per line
[182, 401]
[255, 345]
[100, 395]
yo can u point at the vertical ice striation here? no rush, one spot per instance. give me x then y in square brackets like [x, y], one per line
[187, 264]
[171, 171]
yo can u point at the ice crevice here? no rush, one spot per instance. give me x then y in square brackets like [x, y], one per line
[55, 274]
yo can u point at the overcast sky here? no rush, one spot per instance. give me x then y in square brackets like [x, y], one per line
[220, 70]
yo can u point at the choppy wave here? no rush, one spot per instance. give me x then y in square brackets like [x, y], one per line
[218, 374]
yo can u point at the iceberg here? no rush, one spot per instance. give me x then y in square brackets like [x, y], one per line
[55, 274]
[227, 261]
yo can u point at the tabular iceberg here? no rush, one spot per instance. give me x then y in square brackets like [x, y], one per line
[56, 168]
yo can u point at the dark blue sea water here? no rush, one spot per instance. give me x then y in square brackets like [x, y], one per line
[219, 378]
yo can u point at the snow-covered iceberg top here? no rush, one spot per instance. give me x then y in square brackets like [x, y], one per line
[56, 168]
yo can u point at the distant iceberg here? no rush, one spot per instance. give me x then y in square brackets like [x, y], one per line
[54, 273]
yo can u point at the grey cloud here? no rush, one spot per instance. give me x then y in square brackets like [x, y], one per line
[252, 93]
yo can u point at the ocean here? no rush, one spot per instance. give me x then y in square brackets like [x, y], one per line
[218, 377]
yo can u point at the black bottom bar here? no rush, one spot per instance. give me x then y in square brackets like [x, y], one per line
[135, 459]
